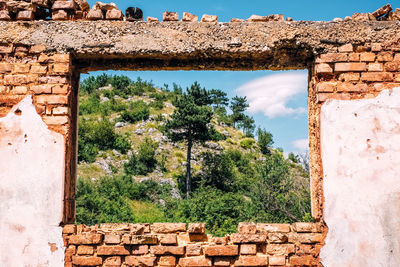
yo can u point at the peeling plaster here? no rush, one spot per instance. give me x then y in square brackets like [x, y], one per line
[360, 143]
[31, 189]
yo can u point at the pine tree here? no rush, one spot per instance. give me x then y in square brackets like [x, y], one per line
[238, 106]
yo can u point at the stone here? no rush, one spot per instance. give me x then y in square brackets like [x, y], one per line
[289, 19]
[382, 11]
[363, 17]
[95, 14]
[83, 5]
[134, 14]
[337, 20]
[188, 17]
[152, 19]
[275, 17]
[394, 16]
[346, 48]
[42, 3]
[235, 20]
[106, 6]
[59, 15]
[170, 16]
[63, 5]
[209, 18]
[257, 18]
[25, 15]
[221, 250]
[114, 14]
[197, 228]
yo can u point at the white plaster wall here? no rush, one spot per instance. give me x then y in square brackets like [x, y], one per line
[360, 143]
[31, 190]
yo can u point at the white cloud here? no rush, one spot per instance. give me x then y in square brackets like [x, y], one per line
[271, 93]
[301, 145]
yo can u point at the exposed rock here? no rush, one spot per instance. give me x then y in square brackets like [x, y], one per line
[139, 131]
[236, 20]
[95, 14]
[106, 6]
[209, 18]
[257, 18]
[363, 17]
[83, 5]
[382, 11]
[393, 16]
[120, 124]
[104, 166]
[337, 20]
[114, 14]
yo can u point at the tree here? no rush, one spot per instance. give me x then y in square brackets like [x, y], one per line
[219, 98]
[190, 122]
[265, 141]
[248, 125]
[238, 106]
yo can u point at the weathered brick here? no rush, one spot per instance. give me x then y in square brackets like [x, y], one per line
[277, 237]
[95, 14]
[60, 89]
[62, 111]
[252, 261]
[196, 228]
[112, 250]
[58, 120]
[346, 48]
[41, 89]
[221, 250]
[308, 249]
[168, 239]
[167, 250]
[209, 18]
[63, 5]
[112, 262]
[108, 238]
[165, 228]
[170, 16]
[140, 261]
[140, 249]
[69, 229]
[85, 250]
[69, 252]
[350, 67]
[83, 239]
[306, 260]
[332, 57]
[280, 249]
[220, 240]
[248, 249]
[36, 49]
[248, 238]
[53, 79]
[20, 68]
[349, 76]
[15, 79]
[193, 250]
[52, 99]
[114, 14]
[385, 56]
[277, 260]
[6, 48]
[323, 68]
[273, 227]
[144, 240]
[25, 15]
[19, 90]
[354, 57]
[5, 67]
[306, 238]
[326, 86]
[375, 67]
[376, 47]
[61, 68]
[222, 261]
[377, 76]
[188, 17]
[86, 261]
[367, 57]
[195, 262]
[38, 69]
[247, 228]
[306, 227]
[392, 66]
[168, 261]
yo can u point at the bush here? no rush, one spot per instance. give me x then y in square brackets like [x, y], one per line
[145, 161]
[138, 111]
[247, 143]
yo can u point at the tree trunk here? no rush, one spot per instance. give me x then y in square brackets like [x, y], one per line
[188, 169]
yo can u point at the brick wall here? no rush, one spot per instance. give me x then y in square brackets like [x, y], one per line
[174, 244]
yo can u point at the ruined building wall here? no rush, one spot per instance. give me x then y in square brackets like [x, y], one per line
[354, 136]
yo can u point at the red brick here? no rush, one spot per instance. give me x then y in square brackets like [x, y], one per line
[112, 262]
[61, 68]
[308, 249]
[21, 68]
[61, 58]
[167, 250]
[280, 249]
[6, 48]
[376, 47]
[248, 249]
[112, 250]
[273, 227]
[222, 261]
[252, 261]
[385, 56]
[349, 76]
[332, 57]
[52, 79]
[220, 240]
[36, 49]
[326, 86]
[306, 227]
[5, 67]
[15, 79]
[56, 120]
[69, 252]
[69, 229]
[61, 111]
[140, 249]
[39, 69]
[307, 260]
[85, 250]
[140, 261]
[168, 239]
[41, 89]
[277, 260]
[19, 90]
[144, 240]
[247, 228]
[63, 5]
[248, 238]
[84, 239]
[367, 57]
[165, 228]
[354, 57]
[392, 66]
[25, 15]
[195, 262]
[196, 228]
[323, 68]
[108, 238]
[375, 67]
[86, 261]
[60, 89]
[377, 76]
[306, 238]
[346, 48]
[193, 250]
[277, 238]
[221, 250]
[170, 16]
[52, 99]
[350, 67]
[169, 261]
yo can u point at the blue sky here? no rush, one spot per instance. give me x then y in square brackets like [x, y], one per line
[278, 100]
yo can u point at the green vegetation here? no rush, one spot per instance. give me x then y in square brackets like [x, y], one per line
[159, 165]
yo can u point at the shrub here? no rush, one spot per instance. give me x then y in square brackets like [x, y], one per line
[138, 111]
[247, 143]
[145, 161]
